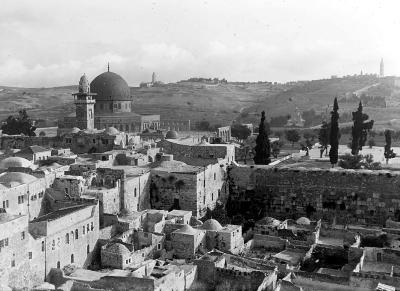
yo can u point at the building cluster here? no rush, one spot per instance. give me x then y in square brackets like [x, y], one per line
[101, 208]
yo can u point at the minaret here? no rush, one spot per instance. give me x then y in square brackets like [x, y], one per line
[84, 105]
[153, 78]
[382, 69]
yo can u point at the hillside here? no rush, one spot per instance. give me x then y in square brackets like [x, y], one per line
[319, 94]
[220, 103]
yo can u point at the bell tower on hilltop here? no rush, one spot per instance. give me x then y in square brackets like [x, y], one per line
[84, 105]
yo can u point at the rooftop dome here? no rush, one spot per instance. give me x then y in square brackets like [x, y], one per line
[172, 134]
[303, 221]
[110, 86]
[15, 162]
[111, 131]
[186, 229]
[211, 224]
[22, 178]
[118, 249]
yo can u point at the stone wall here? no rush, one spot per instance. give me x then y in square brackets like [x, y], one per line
[352, 196]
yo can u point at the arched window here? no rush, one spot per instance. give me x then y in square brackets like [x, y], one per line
[76, 234]
[134, 192]
[58, 265]
[67, 238]
[72, 258]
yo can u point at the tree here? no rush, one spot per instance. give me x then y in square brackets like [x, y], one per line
[276, 148]
[20, 124]
[359, 130]
[334, 134]
[349, 161]
[42, 133]
[389, 154]
[323, 137]
[240, 131]
[263, 148]
[293, 136]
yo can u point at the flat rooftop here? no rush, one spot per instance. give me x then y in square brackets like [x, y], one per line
[291, 256]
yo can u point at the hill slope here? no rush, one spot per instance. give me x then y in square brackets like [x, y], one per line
[219, 104]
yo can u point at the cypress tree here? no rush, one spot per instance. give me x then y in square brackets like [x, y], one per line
[359, 130]
[263, 148]
[389, 154]
[334, 134]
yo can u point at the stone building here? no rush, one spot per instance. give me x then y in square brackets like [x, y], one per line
[66, 236]
[14, 250]
[186, 241]
[176, 185]
[227, 239]
[224, 133]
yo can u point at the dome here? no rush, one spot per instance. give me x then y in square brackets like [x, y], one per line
[186, 229]
[21, 178]
[118, 249]
[172, 134]
[110, 86]
[111, 131]
[211, 224]
[269, 221]
[15, 162]
[303, 221]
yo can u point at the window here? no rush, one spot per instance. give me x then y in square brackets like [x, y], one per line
[30, 255]
[379, 257]
[66, 190]
[212, 196]
[215, 176]
[58, 265]
[20, 199]
[53, 245]
[159, 247]
[87, 227]
[76, 234]
[13, 263]
[134, 191]
[88, 249]
[67, 238]
[3, 243]
[6, 204]
[23, 235]
[72, 258]
[42, 246]
[41, 194]
[83, 229]
[204, 199]
[91, 226]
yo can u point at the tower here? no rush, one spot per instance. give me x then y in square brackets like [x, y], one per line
[84, 105]
[153, 78]
[382, 69]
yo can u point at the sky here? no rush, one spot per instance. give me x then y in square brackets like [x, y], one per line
[45, 43]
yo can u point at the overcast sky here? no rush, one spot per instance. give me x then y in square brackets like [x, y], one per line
[52, 43]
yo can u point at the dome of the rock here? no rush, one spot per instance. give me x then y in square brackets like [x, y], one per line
[110, 86]
[172, 134]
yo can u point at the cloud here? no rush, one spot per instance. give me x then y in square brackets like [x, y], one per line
[50, 43]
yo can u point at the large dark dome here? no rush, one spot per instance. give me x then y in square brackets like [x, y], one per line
[110, 86]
